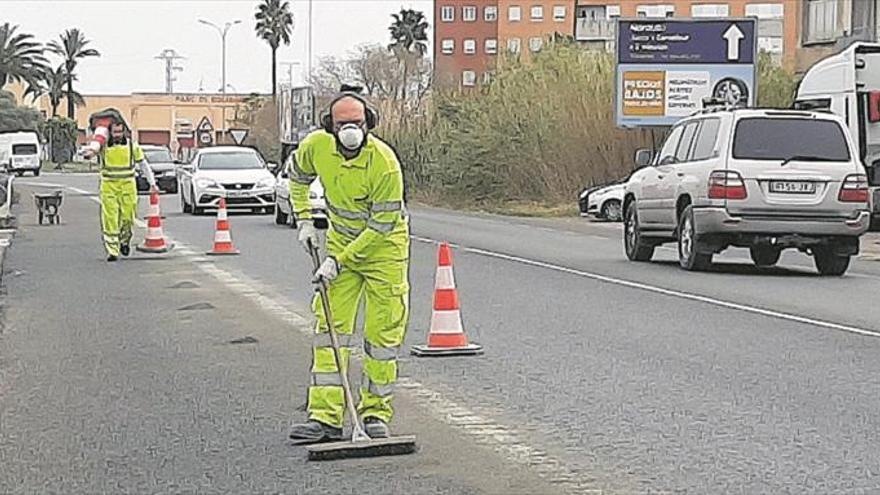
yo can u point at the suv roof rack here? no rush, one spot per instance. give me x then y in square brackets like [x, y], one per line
[714, 105]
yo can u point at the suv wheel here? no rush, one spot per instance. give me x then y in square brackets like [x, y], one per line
[690, 256]
[611, 210]
[764, 255]
[828, 262]
[635, 246]
[183, 204]
[281, 218]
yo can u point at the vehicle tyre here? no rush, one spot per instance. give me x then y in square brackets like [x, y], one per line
[690, 256]
[193, 208]
[611, 211]
[828, 263]
[765, 255]
[635, 246]
[184, 205]
[36, 173]
[281, 218]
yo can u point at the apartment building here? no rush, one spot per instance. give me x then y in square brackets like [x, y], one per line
[778, 20]
[470, 34]
[829, 26]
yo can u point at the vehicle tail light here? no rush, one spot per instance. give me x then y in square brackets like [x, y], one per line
[724, 184]
[854, 189]
[874, 106]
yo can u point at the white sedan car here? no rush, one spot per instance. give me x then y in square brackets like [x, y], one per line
[606, 202]
[236, 173]
[284, 209]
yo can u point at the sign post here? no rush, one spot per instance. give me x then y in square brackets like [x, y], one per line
[205, 131]
[665, 67]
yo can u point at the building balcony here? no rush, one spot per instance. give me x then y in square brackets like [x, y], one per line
[594, 30]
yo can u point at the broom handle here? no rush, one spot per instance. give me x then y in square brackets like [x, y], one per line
[357, 432]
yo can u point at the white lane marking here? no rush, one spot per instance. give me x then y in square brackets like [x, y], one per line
[667, 292]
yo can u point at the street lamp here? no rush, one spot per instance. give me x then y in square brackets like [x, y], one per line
[222, 32]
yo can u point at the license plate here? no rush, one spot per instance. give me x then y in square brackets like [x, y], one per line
[788, 187]
[237, 194]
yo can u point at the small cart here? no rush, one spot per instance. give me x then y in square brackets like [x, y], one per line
[48, 206]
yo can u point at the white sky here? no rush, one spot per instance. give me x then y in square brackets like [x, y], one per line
[129, 33]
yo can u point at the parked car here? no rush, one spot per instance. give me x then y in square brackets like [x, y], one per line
[20, 152]
[766, 180]
[604, 202]
[235, 172]
[283, 208]
[162, 164]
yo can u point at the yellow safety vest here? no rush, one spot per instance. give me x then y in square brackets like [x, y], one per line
[118, 163]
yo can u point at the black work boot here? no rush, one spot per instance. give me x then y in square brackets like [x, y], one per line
[314, 431]
[125, 249]
[376, 428]
[112, 258]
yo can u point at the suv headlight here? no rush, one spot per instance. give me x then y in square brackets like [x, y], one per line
[268, 182]
[204, 183]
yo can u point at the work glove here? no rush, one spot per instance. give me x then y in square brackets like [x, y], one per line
[307, 234]
[328, 271]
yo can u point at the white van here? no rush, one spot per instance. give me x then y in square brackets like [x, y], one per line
[20, 152]
[848, 85]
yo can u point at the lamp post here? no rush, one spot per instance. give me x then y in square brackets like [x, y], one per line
[222, 31]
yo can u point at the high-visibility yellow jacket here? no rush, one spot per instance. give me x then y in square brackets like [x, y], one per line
[364, 196]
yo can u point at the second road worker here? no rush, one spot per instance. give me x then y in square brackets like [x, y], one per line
[367, 257]
[119, 157]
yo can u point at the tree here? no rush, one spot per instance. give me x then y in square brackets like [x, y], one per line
[61, 135]
[21, 58]
[274, 25]
[54, 85]
[16, 118]
[409, 42]
[72, 48]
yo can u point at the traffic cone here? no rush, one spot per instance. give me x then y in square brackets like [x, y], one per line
[155, 210]
[154, 241]
[446, 336]
[222, 236]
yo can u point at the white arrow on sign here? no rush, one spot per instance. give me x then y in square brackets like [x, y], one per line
[733, 35]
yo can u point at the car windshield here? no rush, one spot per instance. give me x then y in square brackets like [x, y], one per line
[787, 138]
[158, 156]
[24, 149]
[231, 160]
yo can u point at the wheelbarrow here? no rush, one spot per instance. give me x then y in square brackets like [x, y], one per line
[48, 206]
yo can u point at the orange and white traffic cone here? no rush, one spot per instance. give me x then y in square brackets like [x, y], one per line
[446, 336]
[154, 241]
[222, 236]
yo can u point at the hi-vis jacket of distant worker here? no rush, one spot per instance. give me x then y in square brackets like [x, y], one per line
[369, 237]
[119, 192]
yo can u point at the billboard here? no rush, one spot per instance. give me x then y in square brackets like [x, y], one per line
[665, 67]
[294, 113]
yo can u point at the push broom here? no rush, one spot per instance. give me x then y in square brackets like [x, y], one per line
[360, 445]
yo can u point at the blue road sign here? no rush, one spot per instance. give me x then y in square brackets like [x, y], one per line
[665, 67]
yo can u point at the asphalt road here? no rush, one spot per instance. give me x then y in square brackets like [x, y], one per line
[598, 374]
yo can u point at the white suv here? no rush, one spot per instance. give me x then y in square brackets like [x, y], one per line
[762, 179]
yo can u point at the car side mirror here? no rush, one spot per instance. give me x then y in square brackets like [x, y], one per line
[273, 167]
[643, 158]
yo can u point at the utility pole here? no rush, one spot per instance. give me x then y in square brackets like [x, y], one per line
[222, 31]
[309, 61]
[170, 56]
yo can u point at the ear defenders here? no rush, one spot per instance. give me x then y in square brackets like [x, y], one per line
[371, 115]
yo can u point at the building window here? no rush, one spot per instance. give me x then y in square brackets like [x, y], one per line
[447, 14]
[559, 13]
[535, 44]
[655, 10]
[491, 46]
[514, 45]
[514, 13]
[487, 77]
[468, 78]
[448, 46]
[490, 14]
[470, 47]
[770, 25]
[710, 10]
[596, 23]
[469, 14]
[821, 21]
[537, 13]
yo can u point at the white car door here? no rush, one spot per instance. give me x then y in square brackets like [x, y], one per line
[649, 203]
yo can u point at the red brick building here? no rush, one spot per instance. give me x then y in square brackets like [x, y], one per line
[465, 40]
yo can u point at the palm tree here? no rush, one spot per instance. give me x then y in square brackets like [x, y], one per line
[410, 39]
[54, 86]
[21, 58]
[274, 25]
[71, 49]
